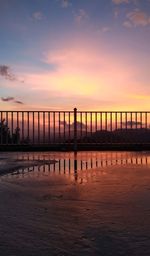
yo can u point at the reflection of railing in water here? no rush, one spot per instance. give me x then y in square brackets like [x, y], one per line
[71, 165]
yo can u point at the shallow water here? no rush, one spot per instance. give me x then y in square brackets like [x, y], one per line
[92, 203]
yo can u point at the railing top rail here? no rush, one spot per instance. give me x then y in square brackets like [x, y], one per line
[113, 111]
[35, 111]
[68, 111]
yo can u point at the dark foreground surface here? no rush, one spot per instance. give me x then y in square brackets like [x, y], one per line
[81, 147]
[89, 204]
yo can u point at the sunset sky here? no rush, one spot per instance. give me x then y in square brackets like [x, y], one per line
[61, 54]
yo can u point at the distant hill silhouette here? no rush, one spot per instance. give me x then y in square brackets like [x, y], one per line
[140, 135]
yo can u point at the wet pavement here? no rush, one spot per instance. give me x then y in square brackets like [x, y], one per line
[92, 203]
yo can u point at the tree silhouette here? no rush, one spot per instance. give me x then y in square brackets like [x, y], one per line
[5, 137]
[4, 133]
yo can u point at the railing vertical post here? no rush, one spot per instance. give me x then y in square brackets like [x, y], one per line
[75, 130]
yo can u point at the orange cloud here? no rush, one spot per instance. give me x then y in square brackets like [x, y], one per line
[88, 73]
[120, 1]
[137, 18]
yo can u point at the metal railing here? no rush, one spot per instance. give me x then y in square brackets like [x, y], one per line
[74, 127]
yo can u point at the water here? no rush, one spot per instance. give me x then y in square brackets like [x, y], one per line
[92, 203]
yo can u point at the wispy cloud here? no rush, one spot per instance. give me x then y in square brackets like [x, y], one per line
[18, 102]
[132, 123]
[12, 99]
[67, 125]
[80, 16]
[38, 16]
[137, 18]
[7, 98]
[5, 72]
[120, 1]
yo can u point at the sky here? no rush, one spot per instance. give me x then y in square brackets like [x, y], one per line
[61, 54]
